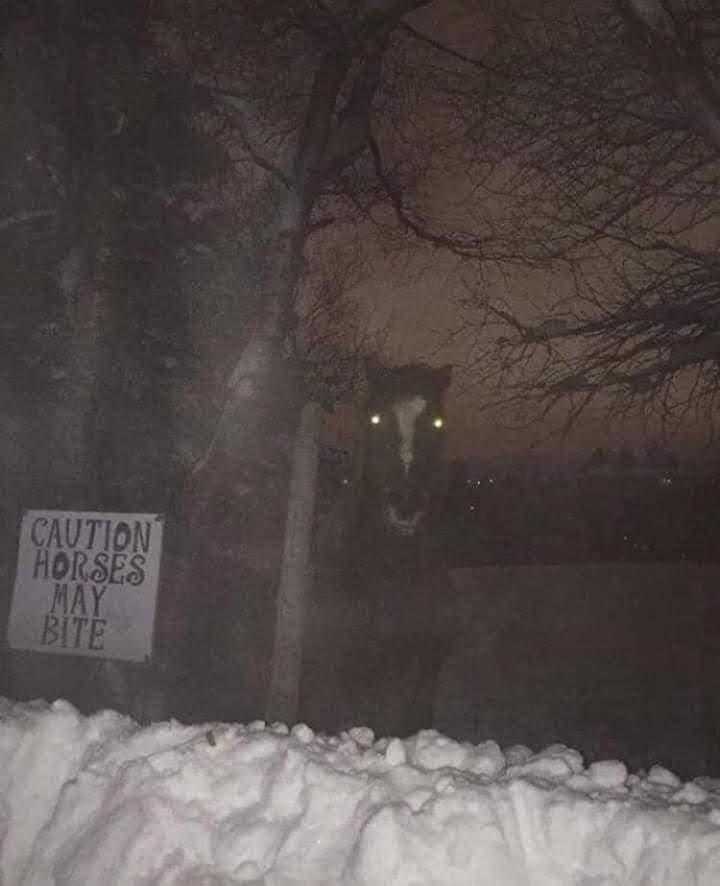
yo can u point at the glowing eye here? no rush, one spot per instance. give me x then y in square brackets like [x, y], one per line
[438, 423]
[375, 419]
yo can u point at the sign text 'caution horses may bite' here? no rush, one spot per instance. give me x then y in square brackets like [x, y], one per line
[86, 584]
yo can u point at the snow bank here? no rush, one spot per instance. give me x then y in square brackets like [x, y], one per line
[99, 800]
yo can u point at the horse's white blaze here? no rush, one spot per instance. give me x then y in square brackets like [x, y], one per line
[406, 414]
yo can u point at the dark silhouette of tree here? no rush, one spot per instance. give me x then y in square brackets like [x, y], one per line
[102, 161]
[101, 220]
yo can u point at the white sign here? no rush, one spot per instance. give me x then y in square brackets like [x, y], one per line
[86, 584]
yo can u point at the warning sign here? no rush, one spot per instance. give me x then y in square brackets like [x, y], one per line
[86, 584]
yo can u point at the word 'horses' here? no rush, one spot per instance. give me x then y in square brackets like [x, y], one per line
[390, 589]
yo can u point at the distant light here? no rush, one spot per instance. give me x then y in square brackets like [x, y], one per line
[375, 419]
[438, 423]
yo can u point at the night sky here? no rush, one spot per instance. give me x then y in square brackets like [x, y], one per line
[416, 304]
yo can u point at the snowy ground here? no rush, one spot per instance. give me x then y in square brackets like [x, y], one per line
[100, 800]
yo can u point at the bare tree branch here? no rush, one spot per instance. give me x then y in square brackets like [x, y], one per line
[609, 117]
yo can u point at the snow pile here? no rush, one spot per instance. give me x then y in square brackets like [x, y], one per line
[99, 800]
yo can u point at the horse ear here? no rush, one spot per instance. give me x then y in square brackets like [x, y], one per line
[372, 369]
[445, 375]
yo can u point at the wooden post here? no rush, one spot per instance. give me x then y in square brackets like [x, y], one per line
[284, 691]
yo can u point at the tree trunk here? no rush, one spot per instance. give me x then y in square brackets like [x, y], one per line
[283, 695]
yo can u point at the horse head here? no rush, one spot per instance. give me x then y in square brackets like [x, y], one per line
[403, 468]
